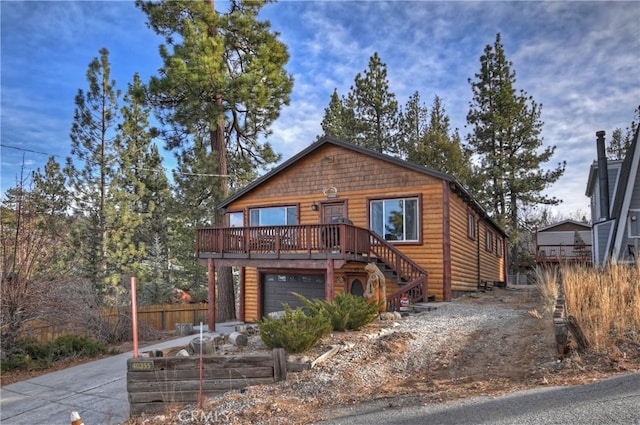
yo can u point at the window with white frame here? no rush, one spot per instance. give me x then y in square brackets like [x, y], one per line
[395, 219]
[471, 225]
[499, 247]
[489, 240]
[273, 216]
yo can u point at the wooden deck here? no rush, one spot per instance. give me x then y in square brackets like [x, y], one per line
[554, 254]
[310, 247]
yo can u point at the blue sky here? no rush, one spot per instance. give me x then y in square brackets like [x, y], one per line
[580, 60]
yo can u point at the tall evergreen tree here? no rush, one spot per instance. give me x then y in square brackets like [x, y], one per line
[375, 108]
[222, 85]
[92, 133]
[620, 141]
[433, 144]
[52, 201]
[506, 138]
[139, 185]
[413, 124]
[339, 120]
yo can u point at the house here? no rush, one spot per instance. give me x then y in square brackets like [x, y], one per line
[614, 189]
[563, 242]
[313, 223]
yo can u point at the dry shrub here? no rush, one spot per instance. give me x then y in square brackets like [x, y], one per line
[547, 285]
[605, 302]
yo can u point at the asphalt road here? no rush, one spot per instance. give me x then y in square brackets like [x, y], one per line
[611, 401]
[96, 390]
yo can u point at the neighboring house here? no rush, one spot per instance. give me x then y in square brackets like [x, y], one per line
[312, 224]
[614, 189]
[565, 241]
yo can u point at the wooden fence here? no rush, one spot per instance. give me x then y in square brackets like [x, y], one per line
[162, 317]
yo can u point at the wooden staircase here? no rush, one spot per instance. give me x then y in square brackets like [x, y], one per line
[400, 269]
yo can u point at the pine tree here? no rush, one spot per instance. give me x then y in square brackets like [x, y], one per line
[92, 133]
[375, 108]
[339, 120]
[52, 202]
[620, 141]
[506, 139]
[413, 124]
[433, 144]
[222, 85]
[139, 186]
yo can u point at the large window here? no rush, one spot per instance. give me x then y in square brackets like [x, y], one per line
[395, 219]
[273, 216]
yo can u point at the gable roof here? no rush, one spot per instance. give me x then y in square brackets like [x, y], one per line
[628, 173]
[574, 223]
[622, 196]
[328, 140]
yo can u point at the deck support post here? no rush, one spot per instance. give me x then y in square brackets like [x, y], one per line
[211, 275]
[329, 285]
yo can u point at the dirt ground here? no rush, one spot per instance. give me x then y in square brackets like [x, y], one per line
[425, 357]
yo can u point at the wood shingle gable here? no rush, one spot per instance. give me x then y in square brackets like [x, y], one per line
[267, 183]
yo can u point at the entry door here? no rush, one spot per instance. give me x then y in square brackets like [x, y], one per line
[333, 210]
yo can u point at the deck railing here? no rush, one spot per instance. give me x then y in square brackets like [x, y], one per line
[412, 279]
[305, 241]
[281, 240]
[563, 253]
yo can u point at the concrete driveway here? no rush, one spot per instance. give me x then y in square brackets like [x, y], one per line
[97, 390]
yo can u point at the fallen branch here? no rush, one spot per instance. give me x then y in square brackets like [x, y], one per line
[332, 352]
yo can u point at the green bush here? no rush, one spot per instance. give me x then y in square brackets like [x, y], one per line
[75, 346]
[295, 331]
[346, 311]
[33, 355]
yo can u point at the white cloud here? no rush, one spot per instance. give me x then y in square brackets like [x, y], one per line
[578, 59]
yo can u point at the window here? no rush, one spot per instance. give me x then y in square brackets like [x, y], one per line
[273, 216]
[489, 240]
[395, 219]
[236, 219]
[499, 247]
[634, 223]
[471, 226]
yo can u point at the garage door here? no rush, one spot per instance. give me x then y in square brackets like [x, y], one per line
[278, 288]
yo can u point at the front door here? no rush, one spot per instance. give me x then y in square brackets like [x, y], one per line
[333, 210]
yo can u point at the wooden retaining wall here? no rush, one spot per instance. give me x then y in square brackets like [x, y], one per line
[560, 318]
[565, 324]
[157, 384]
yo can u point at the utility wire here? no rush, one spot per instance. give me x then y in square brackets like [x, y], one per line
[145, 169]
[28, 150]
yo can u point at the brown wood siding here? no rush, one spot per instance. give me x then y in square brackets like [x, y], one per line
[490, 270]
[464, 265]
[359, 178]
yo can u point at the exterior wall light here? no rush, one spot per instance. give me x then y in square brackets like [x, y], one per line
[314, 207]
